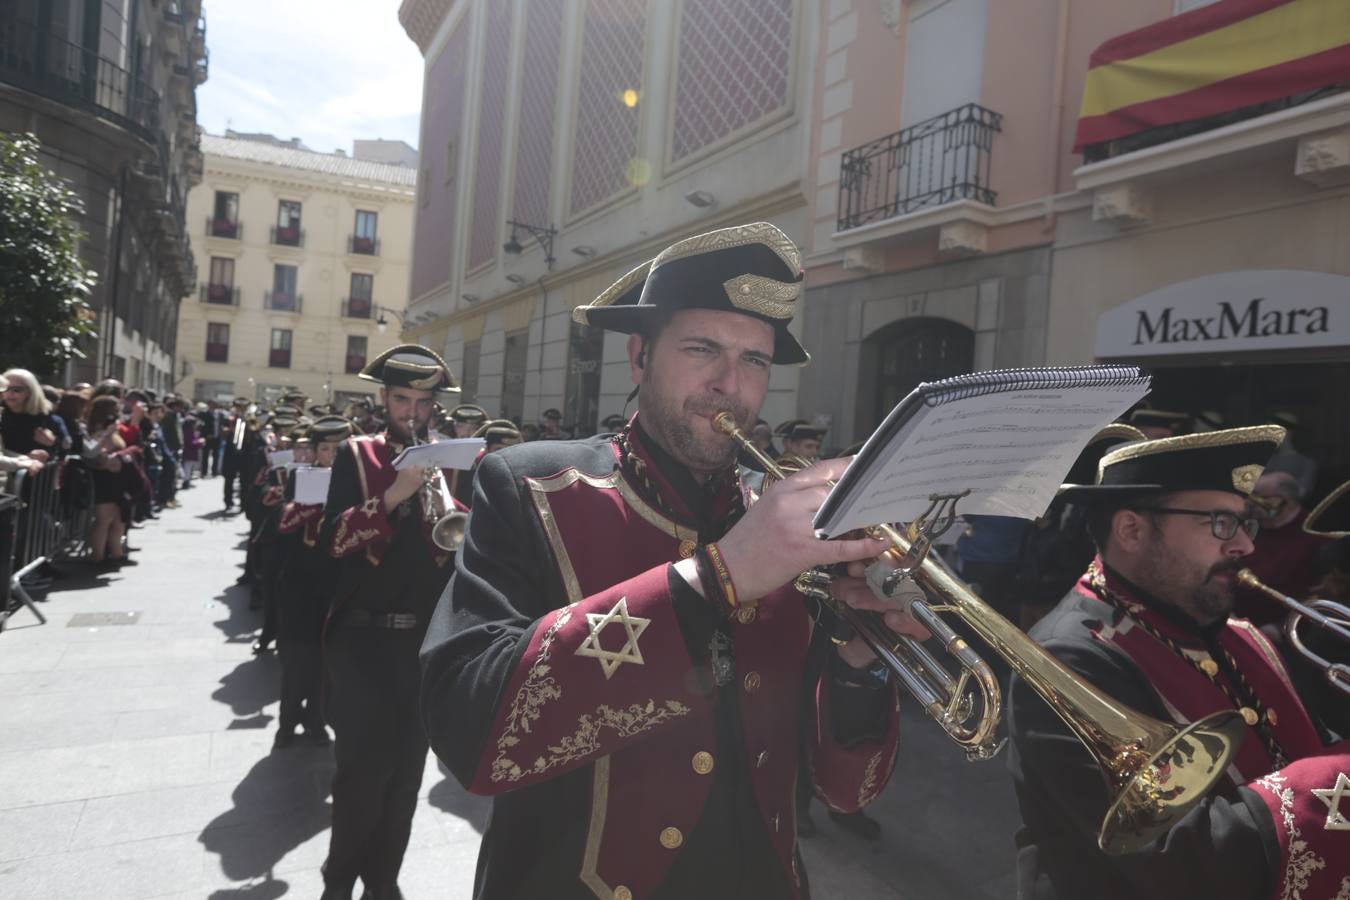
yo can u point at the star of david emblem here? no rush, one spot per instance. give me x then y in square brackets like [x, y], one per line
[1331, 796]
[633, 626]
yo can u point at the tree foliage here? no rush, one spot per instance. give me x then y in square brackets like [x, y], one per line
[44, 285]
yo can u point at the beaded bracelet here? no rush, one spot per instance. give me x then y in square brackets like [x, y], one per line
[707, 575]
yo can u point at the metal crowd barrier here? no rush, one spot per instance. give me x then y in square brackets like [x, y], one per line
[41, 524]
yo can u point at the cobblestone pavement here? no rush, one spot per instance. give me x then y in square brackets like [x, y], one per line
[135, 759]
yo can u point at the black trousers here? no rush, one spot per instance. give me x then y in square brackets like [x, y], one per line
[231, 471]
[211, 457]
[301, 684]
[380, 749]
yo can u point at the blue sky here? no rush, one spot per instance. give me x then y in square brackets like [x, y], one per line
[325, 71]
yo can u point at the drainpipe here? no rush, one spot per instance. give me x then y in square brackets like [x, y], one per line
[1056, 117]
[116, 257]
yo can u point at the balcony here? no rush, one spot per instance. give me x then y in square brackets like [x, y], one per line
[357, 307]
[219, 294]
[279, 359]
[224, 228]
[287, 236]
[363, 246]
[938, 161]
[68, 73]
[281, 301]
[355, 363]
[217, 352]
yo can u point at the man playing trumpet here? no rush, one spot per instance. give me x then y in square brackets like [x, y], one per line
[621, 658]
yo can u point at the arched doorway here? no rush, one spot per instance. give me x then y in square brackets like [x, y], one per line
[899, 356]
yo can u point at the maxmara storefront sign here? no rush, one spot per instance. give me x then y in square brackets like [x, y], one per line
[1253, 309]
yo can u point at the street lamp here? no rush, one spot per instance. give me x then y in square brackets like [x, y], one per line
[543, 235]
[382, 323]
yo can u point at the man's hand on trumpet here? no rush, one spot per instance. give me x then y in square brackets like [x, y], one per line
[775, 541]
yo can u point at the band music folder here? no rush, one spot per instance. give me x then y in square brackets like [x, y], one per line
[456, 453]
[311, 484]
[1007, 436]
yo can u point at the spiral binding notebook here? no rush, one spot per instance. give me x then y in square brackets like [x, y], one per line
[1008, 436]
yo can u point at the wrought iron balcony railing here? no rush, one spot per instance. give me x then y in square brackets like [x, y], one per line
[287, 236]
[357, 308]
[221, 294]
[224, 228]
[68, 73]
[281, 301]
[366, 246]
[940, 160]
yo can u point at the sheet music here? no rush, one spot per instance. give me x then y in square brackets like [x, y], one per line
[278, 458]
[458, 453]
[311, 485]
[1010, 448]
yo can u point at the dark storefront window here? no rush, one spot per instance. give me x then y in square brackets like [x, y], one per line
[581, 396]
[513, 374]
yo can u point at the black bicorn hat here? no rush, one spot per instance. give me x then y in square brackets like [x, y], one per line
[1230, 460]
[469, 412]
[753, 269]
[551, 413]
[330, 428]
[800, 430]
[410, 366]
[1331, 517]
[240, 401]
[495, 431]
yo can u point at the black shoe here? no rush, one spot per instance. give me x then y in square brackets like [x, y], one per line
[283, 740]
[858, 824]
[806, 826]
[261, 647]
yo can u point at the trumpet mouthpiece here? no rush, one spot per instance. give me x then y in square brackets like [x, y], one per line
[725, 422]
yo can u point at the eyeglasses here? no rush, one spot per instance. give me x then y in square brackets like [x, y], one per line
[1222, 524]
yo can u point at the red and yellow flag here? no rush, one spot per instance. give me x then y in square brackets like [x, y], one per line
[1211, 60]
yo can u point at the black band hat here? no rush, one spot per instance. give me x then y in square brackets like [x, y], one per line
[750, 269]
[411, 366]
[1331, 517]
[469, 412]
[330, 428]
[495, 431]
[614, 422]
[240, 401]
[1230, 460]
[800, 430]
[551, 413]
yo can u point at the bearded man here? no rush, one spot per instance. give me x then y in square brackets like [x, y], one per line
[621, 660]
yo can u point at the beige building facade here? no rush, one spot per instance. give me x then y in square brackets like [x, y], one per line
[303, 262]
[602, 131]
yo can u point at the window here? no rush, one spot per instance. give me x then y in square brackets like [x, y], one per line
[358, 303]
[287, 232]
[207, 389]
[283, 296]
[221, 287]
[356, 353]
[581, 396]
[225, 220]
[217, 342]
[473, 351]
[280, 355]
[364, 239]
[513, 374]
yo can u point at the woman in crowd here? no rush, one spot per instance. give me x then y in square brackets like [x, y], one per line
[25, 422]
[101, 450]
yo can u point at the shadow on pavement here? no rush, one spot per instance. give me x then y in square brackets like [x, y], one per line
[248, 689]
[280, 804]
[240, 623]
[449, 796]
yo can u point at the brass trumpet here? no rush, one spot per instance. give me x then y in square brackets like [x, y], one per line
[1328, 615]
[1155, 771]
[447, 523]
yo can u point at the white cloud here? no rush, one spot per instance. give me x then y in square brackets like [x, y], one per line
[325, 71]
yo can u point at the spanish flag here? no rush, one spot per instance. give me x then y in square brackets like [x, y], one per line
[1232, 54]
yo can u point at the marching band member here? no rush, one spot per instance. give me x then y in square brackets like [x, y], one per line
[496, 434]
[621, 659]
[389, 574]
[1149, 624]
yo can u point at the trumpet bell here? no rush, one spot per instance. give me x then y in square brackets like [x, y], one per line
[448, 532]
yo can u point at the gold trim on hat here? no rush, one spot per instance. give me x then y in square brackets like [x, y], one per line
[1119, 430]
[613, 292]
[1321, 508]
[1229, 436]
[1244, 477]
[764, 233]
[763, 296]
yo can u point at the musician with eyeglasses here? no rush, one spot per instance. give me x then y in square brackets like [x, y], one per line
[389, 573]
[1149, 623]
[622, 661]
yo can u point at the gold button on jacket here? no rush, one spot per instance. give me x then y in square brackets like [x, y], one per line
[622, 893]
[751, 682]
[671, 838]
[702, 762]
